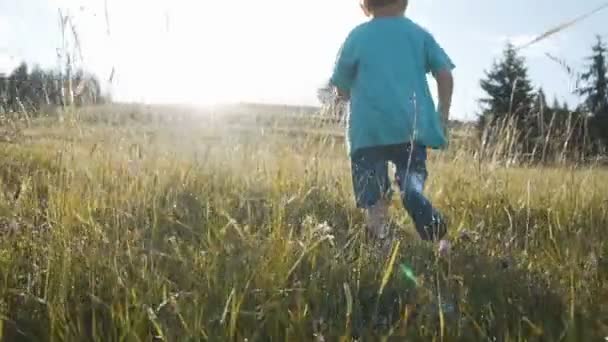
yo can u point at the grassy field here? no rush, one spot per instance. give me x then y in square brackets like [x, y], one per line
[136, 227]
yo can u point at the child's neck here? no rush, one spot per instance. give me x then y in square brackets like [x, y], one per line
[392, 15]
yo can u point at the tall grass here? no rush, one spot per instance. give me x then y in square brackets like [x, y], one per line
[196, 229]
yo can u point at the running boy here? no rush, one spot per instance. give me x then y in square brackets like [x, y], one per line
[381, 68]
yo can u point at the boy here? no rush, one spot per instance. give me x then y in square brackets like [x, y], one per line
[381, 68]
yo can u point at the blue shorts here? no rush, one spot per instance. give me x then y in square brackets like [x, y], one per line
[370, 171]
[371, 182]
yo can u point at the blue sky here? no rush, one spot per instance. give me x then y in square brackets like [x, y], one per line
[282, 50]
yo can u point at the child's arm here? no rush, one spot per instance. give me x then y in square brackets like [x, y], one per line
[445, 90]
[440, 65]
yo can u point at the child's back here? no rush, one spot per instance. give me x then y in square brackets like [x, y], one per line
[383, 65]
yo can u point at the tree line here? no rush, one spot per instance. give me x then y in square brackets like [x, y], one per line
[517, 120]
[30, 90]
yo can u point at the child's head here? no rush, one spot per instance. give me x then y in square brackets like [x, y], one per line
[377, 8]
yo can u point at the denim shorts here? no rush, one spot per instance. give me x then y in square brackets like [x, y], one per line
[371, 183]
[369, 168]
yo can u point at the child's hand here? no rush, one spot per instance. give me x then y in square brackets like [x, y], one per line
[332, 99]
[331, 96]
[326, 95]
[343, 96]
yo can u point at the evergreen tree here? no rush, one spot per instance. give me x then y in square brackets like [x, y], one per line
[17, 89]
[508, 88]
[4, 80]
[595, 91]
[555, 104]
[30, 90]
[509, 105]
[542, 112]
[37, 94]
[595, 81]
[541, 99]
[540, 104]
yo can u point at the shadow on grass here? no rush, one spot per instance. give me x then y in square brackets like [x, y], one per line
[481, 299]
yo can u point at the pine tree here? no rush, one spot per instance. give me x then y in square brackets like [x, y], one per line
[37, 90]
[595, 91]
[18, 87]
[3, 91]
[556, 104]
[508, 109]
[542, 111]
[508, 88]
[540, 102]
[30, 90]
[595, 81]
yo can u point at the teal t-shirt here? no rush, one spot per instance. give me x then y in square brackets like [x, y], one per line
[383, 65]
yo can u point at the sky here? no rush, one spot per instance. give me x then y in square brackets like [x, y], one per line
[281, 51]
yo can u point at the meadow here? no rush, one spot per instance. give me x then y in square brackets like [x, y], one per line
[134, 225]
